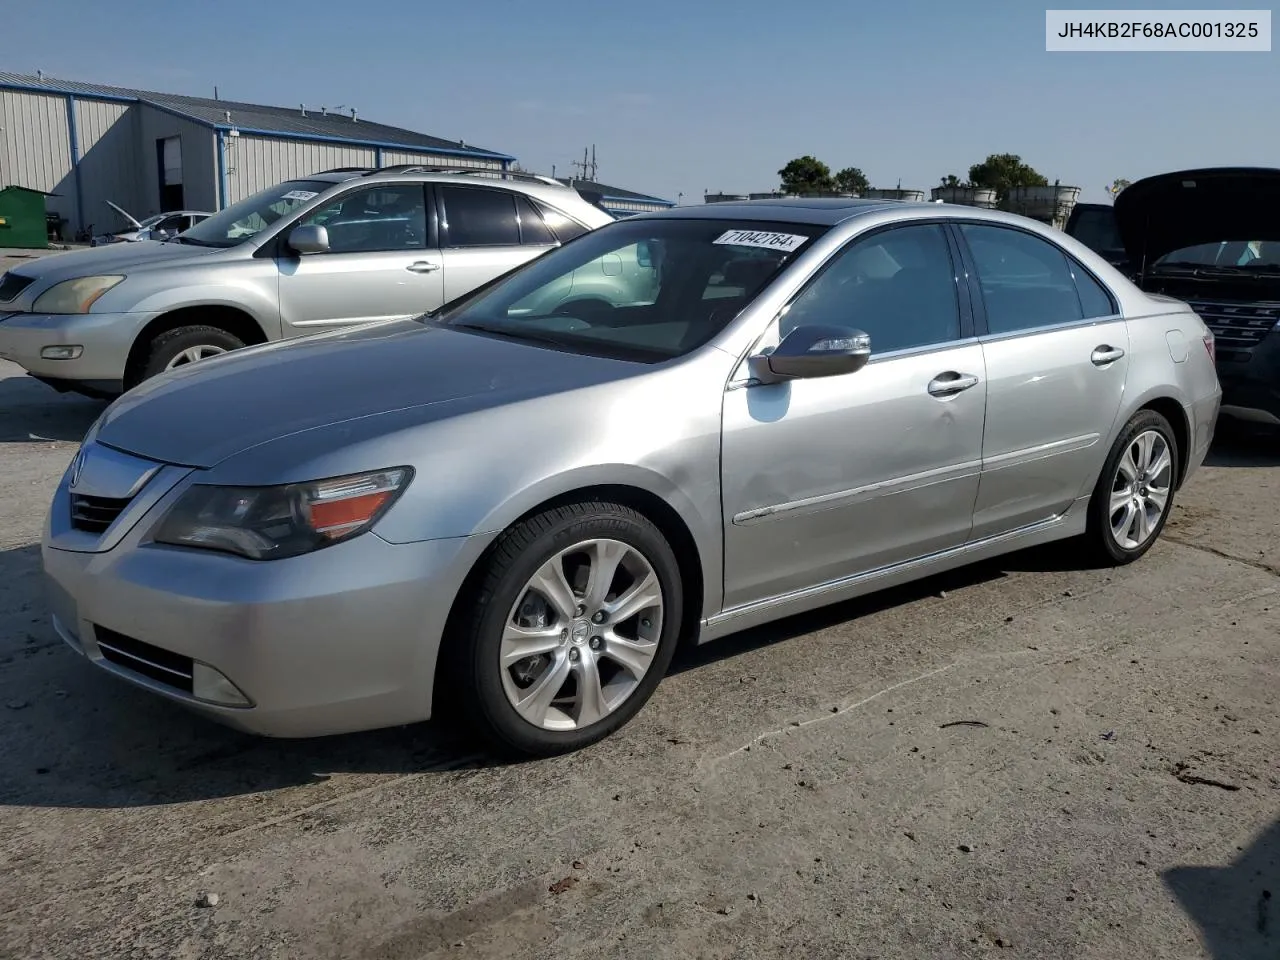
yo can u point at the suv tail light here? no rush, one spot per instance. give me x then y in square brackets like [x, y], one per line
[1209, 345]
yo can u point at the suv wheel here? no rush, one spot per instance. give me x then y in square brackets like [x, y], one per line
[184, 345]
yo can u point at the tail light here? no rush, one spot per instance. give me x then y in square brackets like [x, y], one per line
[1210, 346]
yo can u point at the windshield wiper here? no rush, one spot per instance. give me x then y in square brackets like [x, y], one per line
[503, 330]
[181, 239]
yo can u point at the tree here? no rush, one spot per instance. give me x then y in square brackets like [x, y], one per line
[1118, 185]
[951, 180]
[1004, 171]
[806, 175]
[852, 180]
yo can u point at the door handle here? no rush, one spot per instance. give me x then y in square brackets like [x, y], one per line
[1105, 354]
[423, 266]
[950, 383]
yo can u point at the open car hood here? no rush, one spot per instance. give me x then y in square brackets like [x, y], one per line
[127, 216]
[1171, 211]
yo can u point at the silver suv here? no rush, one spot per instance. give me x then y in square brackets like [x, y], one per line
[338, 248]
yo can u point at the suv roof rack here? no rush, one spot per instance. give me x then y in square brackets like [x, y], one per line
[467, 171]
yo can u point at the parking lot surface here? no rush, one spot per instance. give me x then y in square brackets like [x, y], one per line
[1024, 758]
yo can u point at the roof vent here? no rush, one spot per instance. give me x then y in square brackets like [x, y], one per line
[303, 107]
[227, 114]
[353, 115]
[324, 111]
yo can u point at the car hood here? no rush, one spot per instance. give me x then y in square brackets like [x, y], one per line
[1170, 211]
[201, 414]
[110, 259]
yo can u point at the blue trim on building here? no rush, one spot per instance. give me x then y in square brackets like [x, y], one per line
[73, 136]
[61, 91]
[222, 168]
[351, 142]
[377, 157]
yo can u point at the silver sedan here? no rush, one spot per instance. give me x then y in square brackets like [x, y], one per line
[510, 512]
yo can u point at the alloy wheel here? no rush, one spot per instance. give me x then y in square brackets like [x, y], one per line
[581, 635]
[193, 354]
[1140, 489]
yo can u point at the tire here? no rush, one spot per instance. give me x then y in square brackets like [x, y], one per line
[1102, 540]
[168, 349]
[484, 692]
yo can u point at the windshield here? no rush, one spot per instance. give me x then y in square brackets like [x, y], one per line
[1251, 254]
[252, 215]
[636, 289]
[1097, 230]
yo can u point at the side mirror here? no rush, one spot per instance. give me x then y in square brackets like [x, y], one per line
[309, 238]
[813, 351]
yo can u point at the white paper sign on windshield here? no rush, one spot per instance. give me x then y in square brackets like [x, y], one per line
[785, 242]
[300, 195]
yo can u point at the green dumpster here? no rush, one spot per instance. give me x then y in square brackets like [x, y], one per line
[22, 218]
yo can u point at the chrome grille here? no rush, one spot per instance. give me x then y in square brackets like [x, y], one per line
[95, 514]
[1238, 324]
[154, 663]
[11, 284]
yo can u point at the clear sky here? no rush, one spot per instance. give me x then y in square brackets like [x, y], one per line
[687, 96]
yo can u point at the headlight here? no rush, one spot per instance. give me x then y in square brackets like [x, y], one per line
[73, 296]
[270, 523]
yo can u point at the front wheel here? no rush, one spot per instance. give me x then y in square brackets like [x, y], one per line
[185, 345]
[1134, 494]
[573, 625]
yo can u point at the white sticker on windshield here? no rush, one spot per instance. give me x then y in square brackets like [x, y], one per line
[758, 238]
[302, 195]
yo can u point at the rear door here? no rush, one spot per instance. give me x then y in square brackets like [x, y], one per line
[381, 263]
[484, 232]
[1056, 355]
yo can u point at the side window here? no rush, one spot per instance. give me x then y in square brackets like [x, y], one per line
[898, 285]
[1025, 280]
[532, 229]
[475, 217]
[383, 218]
[1095, 300]
[564, 228]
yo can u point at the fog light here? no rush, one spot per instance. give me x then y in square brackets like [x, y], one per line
[64, 351]
[209, 685]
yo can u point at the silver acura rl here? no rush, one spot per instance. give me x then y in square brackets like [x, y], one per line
[509, 512]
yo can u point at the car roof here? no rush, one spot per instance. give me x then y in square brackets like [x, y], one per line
[822, 211]
[534, 184]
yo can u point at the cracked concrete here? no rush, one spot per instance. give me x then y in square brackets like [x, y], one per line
[1021, 759]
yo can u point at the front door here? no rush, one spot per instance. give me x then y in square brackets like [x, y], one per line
[379, 265]
[1057, 357]
[828, 478]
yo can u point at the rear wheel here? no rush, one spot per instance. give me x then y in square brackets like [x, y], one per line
[186, 345]
[571, 629]
[1134, 494]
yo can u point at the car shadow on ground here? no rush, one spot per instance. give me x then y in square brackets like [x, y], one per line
[78, 737]
[1237, 907]
[29, 411]
[1238, 444]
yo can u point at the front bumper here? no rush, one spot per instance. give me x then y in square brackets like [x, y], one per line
[1251, 381]
[336, 641]
[105, 340]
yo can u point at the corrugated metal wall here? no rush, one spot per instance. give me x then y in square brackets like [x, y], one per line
[35, 146]
[199, 161]
[255, 163]
[108, 135]
[391, 158]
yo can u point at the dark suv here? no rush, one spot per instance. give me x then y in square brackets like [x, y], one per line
[1212, 238]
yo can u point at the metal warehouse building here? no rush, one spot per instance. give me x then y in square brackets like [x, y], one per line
[154, 152]
[616, 200]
